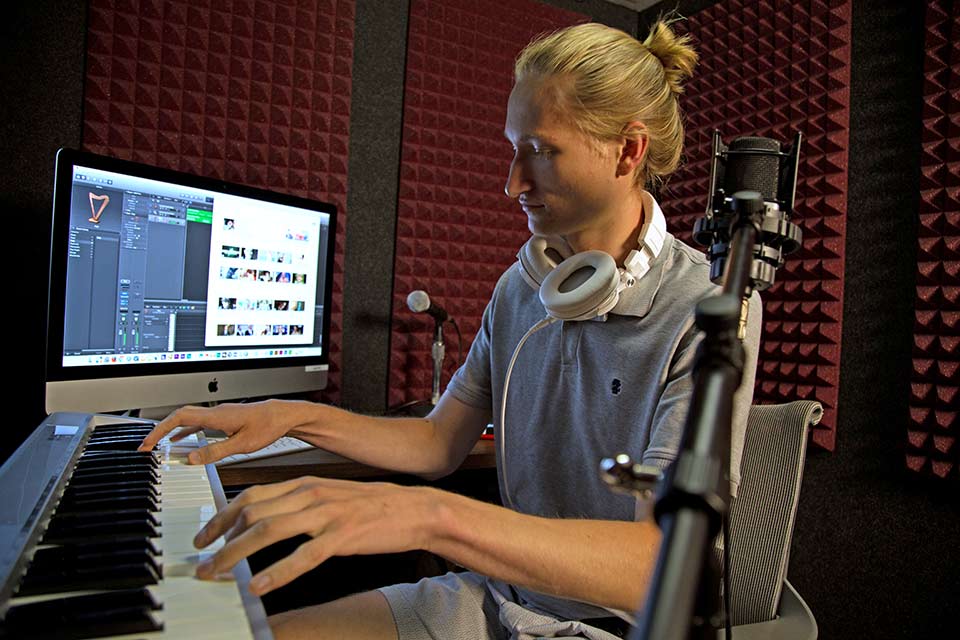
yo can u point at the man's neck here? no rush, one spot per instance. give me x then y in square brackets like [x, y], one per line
[620, 236]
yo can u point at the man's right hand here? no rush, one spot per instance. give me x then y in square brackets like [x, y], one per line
[249, 427]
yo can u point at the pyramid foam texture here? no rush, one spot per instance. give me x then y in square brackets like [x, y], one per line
[248, 91]
[934, 426]
[771, 69]
[456, 231]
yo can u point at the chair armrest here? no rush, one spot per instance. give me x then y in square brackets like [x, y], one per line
[794, 622]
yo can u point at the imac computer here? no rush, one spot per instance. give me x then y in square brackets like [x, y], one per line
[168, 289]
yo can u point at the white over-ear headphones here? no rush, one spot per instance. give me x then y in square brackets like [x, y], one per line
[588, 284]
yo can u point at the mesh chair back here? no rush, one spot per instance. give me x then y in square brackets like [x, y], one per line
[763, 513]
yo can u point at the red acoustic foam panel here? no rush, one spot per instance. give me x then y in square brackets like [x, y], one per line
[931, 444]
[456, 231]
[249, 91]
[771, 69]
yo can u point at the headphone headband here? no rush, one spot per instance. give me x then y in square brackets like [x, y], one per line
[650, 243]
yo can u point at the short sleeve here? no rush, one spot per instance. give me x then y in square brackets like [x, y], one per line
[471, 383]
[672, 409]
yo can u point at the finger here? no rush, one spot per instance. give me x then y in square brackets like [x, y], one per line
[225, 519]
[216, 451]
[183, 432]
[163, 427]
[307, 556]
[257, 537]
[292, 502]
[167, 425]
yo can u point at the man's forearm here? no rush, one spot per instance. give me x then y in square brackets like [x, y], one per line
[406, 445]
[607, 563]
[397, 444]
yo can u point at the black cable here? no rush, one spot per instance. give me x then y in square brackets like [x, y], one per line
[404, 406]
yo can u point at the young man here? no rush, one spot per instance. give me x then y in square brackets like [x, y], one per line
[592, 118]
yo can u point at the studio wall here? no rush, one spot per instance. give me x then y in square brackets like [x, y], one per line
[456, 230]
[772, 69]
[251, 91]
[934, 425]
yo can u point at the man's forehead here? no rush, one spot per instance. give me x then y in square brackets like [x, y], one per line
[535, 106]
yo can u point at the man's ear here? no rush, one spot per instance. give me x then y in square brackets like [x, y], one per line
[633, 150]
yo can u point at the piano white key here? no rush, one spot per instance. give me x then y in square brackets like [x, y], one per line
[192, 608]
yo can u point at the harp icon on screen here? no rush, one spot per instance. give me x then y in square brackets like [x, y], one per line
[94, 212]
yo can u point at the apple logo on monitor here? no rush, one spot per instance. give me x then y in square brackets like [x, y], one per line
[213, 386]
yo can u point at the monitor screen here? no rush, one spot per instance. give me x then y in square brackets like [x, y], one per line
[168, 288]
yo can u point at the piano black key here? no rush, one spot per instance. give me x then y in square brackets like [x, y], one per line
[86, 616]
[108, 430]
[118, 435]
[145, 545]
[122, 426]
[48, 559]
[75, 557]
[117, 572]
[103, 516]
[122, 455]
[95, 476]
[139, 487]
[76, 531]
[117, 463]
[79, 505]
[114, 444]
[84, 471]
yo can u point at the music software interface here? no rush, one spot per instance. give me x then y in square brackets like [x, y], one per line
[158, 272]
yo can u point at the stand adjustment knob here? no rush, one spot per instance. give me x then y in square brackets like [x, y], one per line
[625, 476]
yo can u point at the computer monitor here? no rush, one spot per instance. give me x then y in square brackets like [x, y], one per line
[167, 288]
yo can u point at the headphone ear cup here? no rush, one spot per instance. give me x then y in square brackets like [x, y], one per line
[581, 287]
[539, 256]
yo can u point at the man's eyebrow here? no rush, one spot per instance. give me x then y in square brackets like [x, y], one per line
[528, 137]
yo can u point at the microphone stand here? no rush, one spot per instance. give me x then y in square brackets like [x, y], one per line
[437, 351]
[747, 239]
[693, 498]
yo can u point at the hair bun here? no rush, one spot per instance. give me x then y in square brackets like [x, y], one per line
[675, 53]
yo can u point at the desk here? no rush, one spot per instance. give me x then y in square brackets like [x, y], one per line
[317, 462]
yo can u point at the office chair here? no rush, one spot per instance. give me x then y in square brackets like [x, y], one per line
[763, 604]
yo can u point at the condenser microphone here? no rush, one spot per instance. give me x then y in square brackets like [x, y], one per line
[759, 165]
[419, 302]
[752, 165]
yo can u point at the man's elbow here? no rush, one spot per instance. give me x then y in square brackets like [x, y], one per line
[442, 469]
[431, 476]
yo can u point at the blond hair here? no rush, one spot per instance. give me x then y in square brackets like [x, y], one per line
[618, 80]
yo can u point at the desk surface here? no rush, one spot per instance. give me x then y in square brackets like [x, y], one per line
[317, 462]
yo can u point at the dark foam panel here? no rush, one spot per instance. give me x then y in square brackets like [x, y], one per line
[770, 69]
[250, 91]
[456, 231]
[931, 446]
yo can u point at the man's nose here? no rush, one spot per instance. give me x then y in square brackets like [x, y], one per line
[517, 182]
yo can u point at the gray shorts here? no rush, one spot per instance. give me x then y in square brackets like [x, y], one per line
[468, 606]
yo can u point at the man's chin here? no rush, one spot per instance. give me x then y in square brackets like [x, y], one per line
[540, 227]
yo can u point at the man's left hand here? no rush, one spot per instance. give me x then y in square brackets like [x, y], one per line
[342, 517]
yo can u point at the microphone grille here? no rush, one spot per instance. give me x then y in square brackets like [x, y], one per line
[418, 301]
[753, 172]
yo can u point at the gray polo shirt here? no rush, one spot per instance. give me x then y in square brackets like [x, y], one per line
[582, 391]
